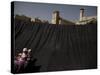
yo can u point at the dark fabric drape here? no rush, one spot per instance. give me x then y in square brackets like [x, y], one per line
[58, 47]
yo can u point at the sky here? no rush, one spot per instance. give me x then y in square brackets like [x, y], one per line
[44, 11]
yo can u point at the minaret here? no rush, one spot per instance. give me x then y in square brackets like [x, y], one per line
[55, 17]
[81, 14]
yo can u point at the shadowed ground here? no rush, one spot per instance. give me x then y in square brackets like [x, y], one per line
[58, 47]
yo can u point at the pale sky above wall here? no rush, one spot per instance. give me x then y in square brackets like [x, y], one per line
[44, 11]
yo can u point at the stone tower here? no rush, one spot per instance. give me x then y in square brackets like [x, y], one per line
[81, 14]
[55, 17]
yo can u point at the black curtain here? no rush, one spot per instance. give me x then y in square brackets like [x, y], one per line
[58, 47]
